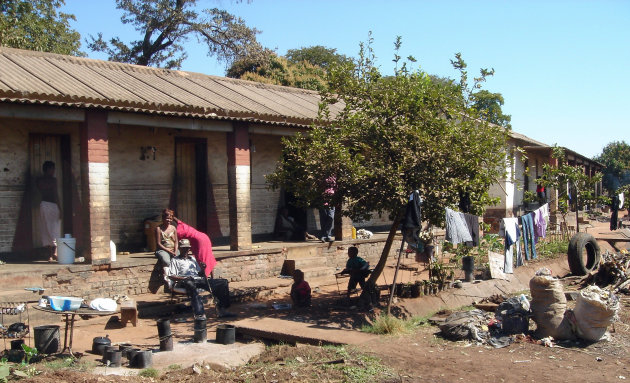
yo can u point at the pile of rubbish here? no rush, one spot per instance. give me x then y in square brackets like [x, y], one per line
[594, 311]
[612, 271]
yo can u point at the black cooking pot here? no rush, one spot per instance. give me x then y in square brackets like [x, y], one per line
[99, 343]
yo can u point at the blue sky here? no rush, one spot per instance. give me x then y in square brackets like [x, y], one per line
[562, 66]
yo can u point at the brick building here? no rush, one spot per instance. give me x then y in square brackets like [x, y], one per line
[130, 140]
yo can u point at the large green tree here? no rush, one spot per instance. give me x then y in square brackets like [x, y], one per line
[278, 70]
[37, 25]
[165, 25]
[616, 157]
[383, 137]
[489, 106]
[318, 55]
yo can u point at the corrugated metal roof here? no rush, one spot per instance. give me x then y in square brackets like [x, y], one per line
[46, 78]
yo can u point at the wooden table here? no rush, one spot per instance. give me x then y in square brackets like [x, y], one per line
[70, 318]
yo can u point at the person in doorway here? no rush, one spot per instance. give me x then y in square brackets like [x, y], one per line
[49, 209]
[327, 212]
[287, 229]
[357, 268]
[166, 242]
[300, 290]
[200, 244]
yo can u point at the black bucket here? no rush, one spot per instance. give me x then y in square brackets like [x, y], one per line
[124, 348]
[140, 359]
[201, 332]
[47, 339]
[17, 344]
[114, 357]
[226, 334]
[468, 265]
[99, 343]
[165, 335]
[130, 354]
[106, 352]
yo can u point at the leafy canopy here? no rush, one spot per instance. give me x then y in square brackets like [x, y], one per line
[278, 70]
[318, 55]
[616, 158]
[38, 26]
[165, 25]
[489, 106]
[383, 137]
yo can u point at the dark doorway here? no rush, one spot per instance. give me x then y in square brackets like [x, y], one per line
[56, 148]
[191, 170]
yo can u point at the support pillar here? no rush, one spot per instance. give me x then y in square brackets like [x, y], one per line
[95, 186]
[239, 187]
[343, 226]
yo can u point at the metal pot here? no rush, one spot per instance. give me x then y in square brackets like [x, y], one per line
[99, 343]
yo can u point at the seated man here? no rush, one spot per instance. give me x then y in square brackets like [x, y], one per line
[187, 273]
[300, 290]
[287, 229]
[358, 269]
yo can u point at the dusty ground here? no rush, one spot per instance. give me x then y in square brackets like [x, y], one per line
[421, 356]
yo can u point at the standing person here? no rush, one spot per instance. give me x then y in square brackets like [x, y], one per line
[327, 213]
[540, 193]
[166, 242]
[49, 209]
[200, 244]
[300, 290]
[357, 267]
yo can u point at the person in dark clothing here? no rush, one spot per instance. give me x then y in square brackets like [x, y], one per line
[540, 193]
[357, 268]
[300, 290]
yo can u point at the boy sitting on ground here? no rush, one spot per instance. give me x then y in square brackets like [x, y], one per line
[300, 290]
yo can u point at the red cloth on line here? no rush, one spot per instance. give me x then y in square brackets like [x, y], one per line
[200, 245]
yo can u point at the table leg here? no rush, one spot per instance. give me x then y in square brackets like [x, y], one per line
[71, 334]
[65, 335]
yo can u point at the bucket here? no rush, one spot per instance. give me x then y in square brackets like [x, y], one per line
[112, 251]
[201, 332]
[140, 359]
[124, 349]
[17, 344]
[226, 333]
[165, 335]
[65, 250]
[47, 339]
[468, 265]
[113, 355]
[99, 343]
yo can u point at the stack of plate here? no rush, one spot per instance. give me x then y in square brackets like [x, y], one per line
[103, 304]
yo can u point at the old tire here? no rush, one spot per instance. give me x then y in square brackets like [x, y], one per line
[584, 254]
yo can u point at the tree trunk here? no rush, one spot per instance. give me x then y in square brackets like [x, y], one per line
[380, 266]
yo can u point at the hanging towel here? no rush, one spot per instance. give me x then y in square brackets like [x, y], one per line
[528, 236]
[540, 221]
[614, 216]
[472, 221]
[456, 228]
[509, 229]
[413, 213]
[621, 196]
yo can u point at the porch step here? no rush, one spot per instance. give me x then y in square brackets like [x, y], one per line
[308, 262]
[21, 279]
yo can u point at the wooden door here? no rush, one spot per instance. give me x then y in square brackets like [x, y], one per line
[190, 181]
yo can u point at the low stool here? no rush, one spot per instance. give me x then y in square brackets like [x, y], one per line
[129, 312]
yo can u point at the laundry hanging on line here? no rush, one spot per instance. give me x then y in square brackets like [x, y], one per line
[461, 227]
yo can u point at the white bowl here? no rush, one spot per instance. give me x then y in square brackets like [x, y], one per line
[58, 303]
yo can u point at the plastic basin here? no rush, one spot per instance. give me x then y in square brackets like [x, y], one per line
[58, 303]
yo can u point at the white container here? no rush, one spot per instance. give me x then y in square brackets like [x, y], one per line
[112, 251]
[65, 250]
[58, 303]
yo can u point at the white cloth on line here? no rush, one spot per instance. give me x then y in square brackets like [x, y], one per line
[509, 229]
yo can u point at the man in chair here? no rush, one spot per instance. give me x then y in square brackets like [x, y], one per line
[186, 273]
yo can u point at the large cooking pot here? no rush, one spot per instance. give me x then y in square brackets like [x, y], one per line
[99, 343]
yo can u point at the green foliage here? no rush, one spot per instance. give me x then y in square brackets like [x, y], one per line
[558, 177]
[166, 24]
[616, 157]
[317, 55]
[551, 248]
[280, 71]
[5, 370]
[489, 104]
[29, 353]
[36, 25]
[383, 137]
[149, 373]
[390, 325]
[175, 367]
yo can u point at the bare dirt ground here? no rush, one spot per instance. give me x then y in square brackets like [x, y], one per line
[421, 356]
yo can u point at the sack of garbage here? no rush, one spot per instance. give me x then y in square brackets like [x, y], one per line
[595, 309]
[463, 325]
[514, 315]
[548, 306]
